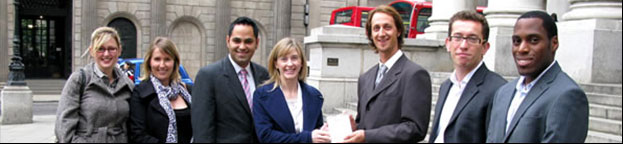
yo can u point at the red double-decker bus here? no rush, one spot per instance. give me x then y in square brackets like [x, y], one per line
[414, 13]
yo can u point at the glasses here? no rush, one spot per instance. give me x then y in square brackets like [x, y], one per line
[470, 39]
[110, 50]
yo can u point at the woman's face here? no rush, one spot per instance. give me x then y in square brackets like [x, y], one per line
[106, 56]
[289, 65]
[161, 65]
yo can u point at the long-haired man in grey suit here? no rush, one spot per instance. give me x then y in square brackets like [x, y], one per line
[222, 95]
[544, 105]
[395, 94]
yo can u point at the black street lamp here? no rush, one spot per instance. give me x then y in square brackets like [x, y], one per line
[16, 68]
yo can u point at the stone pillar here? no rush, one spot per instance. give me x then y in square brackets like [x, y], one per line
[89, 24]
[16, 105]
[502, 15]
[590, 41]
[4, 42]
[158, 19]
[442, 12]
[222, 21]
[282, 10]
[559, 7]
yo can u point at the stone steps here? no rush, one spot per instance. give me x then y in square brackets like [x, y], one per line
[604, 99]
[604, 111]
[46, 86]
[599, 137]
[604, 125]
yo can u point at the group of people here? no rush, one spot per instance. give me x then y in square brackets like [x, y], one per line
[236, 100]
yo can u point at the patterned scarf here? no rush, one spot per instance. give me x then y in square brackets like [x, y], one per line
[165, 94]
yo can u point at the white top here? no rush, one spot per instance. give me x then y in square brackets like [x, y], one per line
[456, 90]
[392, 60]
[521, 91]
[296, 110]
[249, 75]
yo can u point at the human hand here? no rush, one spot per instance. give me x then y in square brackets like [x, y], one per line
[358, 136]
[353, 124]
[320, 136]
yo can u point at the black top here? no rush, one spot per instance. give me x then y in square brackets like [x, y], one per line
[184, 129]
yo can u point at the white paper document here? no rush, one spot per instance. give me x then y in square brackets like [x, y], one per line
[339, 127]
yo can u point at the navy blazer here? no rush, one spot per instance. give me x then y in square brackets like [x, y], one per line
[273, 121]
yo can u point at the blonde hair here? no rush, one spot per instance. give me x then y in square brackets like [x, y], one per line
[166, 46]
[100, 36]
[282, 48]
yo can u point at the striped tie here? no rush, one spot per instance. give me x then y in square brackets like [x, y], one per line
[245, 85]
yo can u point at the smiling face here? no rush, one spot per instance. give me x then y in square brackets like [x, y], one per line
[466, 54]
[289, 65]
[384, 32]
[162, 66]
[242, 44]
[532, 49]
[106, 55]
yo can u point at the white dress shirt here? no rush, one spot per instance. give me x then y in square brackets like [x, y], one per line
[296, 110]
[521, 90]
[456, 90]
[249, 75]
[392, 60]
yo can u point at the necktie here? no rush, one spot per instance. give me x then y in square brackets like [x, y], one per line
[380, 74]
[245, 85]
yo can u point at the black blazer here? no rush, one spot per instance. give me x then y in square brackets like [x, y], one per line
[468, 123]
[398, 109]
[220, 112]
[148, 121]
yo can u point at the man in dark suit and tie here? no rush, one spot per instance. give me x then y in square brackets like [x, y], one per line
[222, 95]
[544, 105]
[394, 95]
[462, 110]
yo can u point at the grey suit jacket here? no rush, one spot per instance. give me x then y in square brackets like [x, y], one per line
[220, 112]
[555, 110]
[468, 123]
[398, 109]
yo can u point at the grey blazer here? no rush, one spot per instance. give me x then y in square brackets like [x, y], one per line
[99, 115]
[554, 111]
[468, 123]
[220, 112]
[398, 109]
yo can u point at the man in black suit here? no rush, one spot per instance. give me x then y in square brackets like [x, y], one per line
[462, 110]
[394, 95]
[222, 95]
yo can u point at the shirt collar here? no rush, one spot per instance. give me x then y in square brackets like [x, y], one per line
[237, 67]
[525, 88]
[467, 77]
[98, 72]
[392, 60]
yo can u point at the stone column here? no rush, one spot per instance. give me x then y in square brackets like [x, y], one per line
[590, 41]
[559, 7]
[502, 15]
[442, 11]
[158, 19]
[282, 10]
[16, 105]
[4, 42]
[222, 20]
[89, 24]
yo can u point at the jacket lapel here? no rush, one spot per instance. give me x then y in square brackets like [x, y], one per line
[443, 94]
[311, 107]
[388, 79]
[471, 89]
[148, 90]
[277, 107]
[537, 90]
[232, 78]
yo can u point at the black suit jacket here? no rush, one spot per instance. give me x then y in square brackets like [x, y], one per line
[220, 112]
[148, 121]
[468, 123]
[398, 109]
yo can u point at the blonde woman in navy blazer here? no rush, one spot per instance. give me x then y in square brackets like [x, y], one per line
[285, 109]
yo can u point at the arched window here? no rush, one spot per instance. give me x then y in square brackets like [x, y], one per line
[127, 32]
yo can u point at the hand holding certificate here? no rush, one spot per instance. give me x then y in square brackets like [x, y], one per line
[339, 127]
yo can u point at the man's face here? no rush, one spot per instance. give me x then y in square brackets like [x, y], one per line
[384, 32]
[242, 44]
[532, 49]
[466, 44]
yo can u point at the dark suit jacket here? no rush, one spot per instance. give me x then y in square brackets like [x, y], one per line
[148, 121]
[468, 123]
[554, 110]
[220, 112]
[273, 121]
[398, 109]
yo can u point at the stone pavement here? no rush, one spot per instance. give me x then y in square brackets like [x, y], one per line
[40, 131]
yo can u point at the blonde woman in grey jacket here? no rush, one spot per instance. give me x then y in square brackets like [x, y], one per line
[94, 102]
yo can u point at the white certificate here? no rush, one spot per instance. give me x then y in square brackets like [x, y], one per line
[339, 127]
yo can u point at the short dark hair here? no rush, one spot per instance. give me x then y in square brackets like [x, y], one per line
[397, 23]
[243, 21]
[470, 15]
[548, 22]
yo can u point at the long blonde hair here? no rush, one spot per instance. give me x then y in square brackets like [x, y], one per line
[167, 46]
[282, 48]
[100, 36]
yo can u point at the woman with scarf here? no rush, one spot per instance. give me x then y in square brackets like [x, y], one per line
[160, 104]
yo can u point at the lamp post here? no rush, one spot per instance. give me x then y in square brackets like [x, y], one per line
[16, 68]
